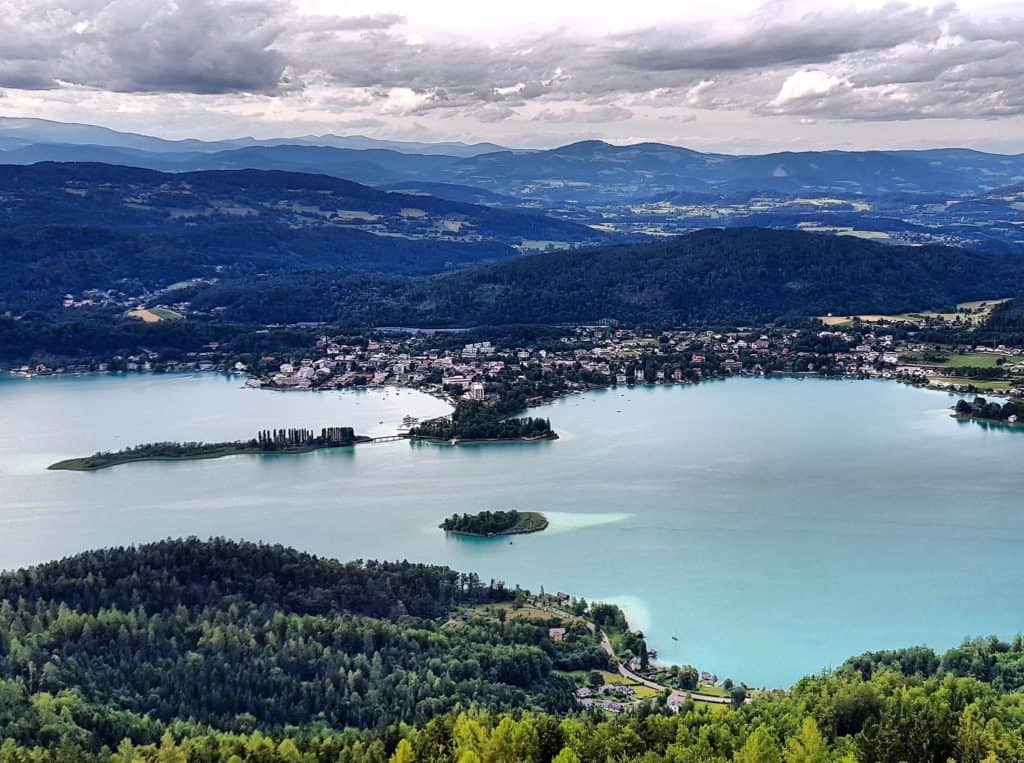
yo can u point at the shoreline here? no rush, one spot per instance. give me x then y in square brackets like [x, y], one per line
[985, 420]
[80, 464]
[481, 440]
[529, 522]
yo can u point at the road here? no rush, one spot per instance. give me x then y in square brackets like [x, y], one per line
[625, 672]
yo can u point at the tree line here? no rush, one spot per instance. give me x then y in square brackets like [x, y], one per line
[224, 652]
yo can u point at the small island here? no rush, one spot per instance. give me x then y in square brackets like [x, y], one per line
[1010, 412]
[474, 421]
[486, 524]
[266, 441]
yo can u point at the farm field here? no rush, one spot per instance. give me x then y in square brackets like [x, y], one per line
[973, 312]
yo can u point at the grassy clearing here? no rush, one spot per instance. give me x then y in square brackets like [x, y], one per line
[146, 316]
[974, 313]
[989, 384]
[155, 314]
[713, 707]
[715, 691]
[966, 360]
[616, 679]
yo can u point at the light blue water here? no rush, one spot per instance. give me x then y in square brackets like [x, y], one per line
[775, 526]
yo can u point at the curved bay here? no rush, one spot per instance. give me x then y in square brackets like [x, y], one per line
[775, 526]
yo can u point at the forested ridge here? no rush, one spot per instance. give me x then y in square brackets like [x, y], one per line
[711, 276]
[78, 226]
[244, 636]
[226, 651]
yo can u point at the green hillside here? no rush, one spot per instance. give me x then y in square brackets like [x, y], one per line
[735, 275]
[225, 651]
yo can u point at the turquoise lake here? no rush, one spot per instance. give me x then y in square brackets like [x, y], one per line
[775, 526]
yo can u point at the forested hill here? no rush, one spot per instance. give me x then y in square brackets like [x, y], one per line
[73, 227]
[226, 652]
[170, 574]
[744, 275]
[244, 636]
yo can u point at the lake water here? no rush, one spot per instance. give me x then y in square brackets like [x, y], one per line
[776, 526]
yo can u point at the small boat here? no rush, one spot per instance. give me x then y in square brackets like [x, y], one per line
[675, 638]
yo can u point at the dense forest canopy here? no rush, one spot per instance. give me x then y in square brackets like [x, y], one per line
[746, 275]
[478, 420]
[496, 522]
[242, 636]
[225, 651]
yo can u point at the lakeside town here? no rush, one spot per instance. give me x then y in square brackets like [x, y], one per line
[581, 358]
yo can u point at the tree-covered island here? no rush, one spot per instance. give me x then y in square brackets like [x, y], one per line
[296, 440]
[1010, 412]
[490, 523]
[474, 420]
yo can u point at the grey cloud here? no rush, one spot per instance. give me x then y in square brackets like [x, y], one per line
[817, 37]
[887, 59]
[346, 23]
[197, 46]
[573, 115]
[490, 113]
[186, 46]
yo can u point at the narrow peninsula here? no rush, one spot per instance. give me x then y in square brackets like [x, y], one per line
[266, 441]
[487, 524]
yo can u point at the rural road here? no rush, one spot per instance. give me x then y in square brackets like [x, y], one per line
[625, 672]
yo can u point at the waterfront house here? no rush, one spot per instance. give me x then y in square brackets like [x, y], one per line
[620, 690]
[676, 701]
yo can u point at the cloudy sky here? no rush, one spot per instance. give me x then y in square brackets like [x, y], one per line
[758, 76]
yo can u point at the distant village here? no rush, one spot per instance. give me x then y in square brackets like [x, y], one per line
[585, 357]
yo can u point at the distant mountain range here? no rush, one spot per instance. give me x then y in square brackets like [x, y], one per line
[21, 132]
[584, 172]
[949, 196]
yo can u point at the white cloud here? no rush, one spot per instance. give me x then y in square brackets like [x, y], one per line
[807, 83]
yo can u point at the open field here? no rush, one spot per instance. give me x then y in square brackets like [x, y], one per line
[974, 313]
[989, 384]
[155, 314]
[965, 360]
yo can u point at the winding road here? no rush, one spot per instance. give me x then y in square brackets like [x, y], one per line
[625, 672]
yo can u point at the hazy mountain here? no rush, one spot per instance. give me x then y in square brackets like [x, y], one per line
[20, 131]
[598, 171]
[585, 172]
[453, 192]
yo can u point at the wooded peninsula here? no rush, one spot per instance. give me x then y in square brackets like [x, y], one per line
[266, 441]
[489, 523]
[1008, 412]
